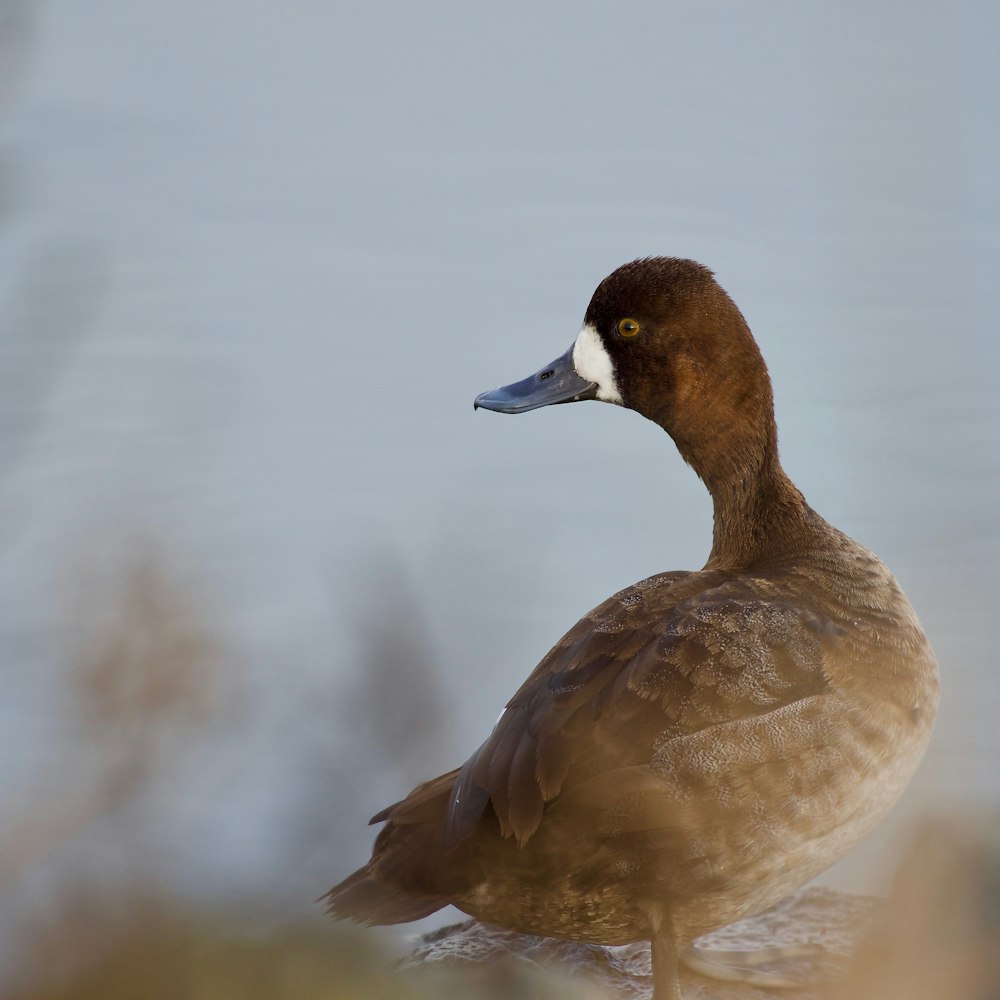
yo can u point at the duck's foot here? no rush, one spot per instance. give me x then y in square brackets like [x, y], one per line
[741, 966]
[666, 984]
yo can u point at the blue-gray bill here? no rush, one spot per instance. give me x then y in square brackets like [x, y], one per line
[557, 382]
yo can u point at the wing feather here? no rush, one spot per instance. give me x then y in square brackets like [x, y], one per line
[664, 660]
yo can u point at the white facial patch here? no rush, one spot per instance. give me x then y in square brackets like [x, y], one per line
[592, 362]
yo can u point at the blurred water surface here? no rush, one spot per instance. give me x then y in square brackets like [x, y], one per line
[257, 260]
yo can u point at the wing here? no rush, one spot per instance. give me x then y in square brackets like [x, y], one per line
[670, 657]
[721, 806]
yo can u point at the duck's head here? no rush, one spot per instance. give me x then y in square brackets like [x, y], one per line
[662, 338]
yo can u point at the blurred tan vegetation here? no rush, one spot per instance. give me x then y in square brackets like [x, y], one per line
[150, 951]
[143, 673]
[938, 935]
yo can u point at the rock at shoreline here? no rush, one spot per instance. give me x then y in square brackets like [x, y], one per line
[832, 921]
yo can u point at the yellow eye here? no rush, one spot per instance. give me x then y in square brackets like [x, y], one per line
[627, 327]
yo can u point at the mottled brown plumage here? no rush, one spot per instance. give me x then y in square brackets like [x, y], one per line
[702, 743]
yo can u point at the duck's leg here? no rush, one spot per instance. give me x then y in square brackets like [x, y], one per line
[737, 966]
[666, 984]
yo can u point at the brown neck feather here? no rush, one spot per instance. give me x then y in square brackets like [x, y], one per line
[733, 446]
[759, 517]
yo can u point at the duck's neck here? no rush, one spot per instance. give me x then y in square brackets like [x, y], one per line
[759, 514]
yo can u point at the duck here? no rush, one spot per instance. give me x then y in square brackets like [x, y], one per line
[704, 742]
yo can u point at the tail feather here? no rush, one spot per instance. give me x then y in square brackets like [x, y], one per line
[363, 898]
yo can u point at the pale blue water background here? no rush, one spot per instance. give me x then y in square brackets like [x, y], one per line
[256, 260]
